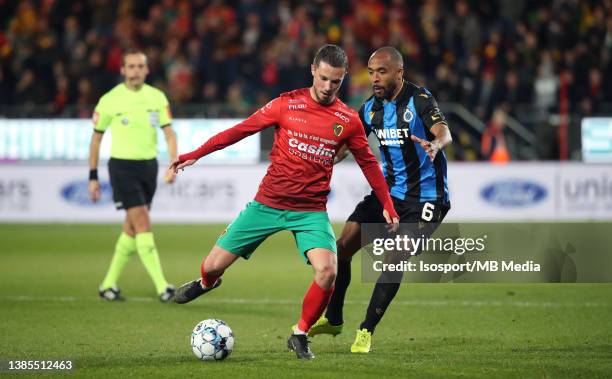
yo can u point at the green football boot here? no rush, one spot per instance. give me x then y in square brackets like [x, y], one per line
[363, 341]
[322, 326]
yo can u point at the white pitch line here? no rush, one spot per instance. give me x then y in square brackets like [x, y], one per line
[416, 303]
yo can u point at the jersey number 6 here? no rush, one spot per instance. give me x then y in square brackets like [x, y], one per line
[427, 214]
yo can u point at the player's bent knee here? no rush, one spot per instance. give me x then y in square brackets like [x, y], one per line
[327, 281]
[325, 264]
[327, 270]
[326, 275]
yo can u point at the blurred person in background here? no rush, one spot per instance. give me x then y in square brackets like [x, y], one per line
[134, 111]
[468, 51]
[493, 146]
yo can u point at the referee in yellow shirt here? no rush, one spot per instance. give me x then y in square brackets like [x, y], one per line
[134, 111]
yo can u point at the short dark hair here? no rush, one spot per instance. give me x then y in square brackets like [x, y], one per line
[130, 51]
[333, 55]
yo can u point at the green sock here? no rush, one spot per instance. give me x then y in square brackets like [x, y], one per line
[124, 248]
[145, 244]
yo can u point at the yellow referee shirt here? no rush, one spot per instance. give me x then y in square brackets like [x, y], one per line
[134, 117]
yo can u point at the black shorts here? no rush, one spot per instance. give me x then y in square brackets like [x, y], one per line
[134, 182]
[425, 217]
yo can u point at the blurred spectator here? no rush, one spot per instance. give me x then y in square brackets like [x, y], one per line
[236, 101]
[180, 79]
[493, 147]
[462, 31]
[210, 93]
[252, 34]
[26, 90]
[85, 97]
[476, 54]
[512, 91]
[464, 49]
[329, 25]
[546, 84]
[62, 95]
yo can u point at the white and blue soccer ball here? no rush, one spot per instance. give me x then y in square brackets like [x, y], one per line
[212, 340]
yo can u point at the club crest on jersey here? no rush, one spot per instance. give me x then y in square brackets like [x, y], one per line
[408, 115]
[338, 129]
[371, 114]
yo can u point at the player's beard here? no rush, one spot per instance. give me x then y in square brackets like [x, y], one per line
[386, 92]
[321, 98]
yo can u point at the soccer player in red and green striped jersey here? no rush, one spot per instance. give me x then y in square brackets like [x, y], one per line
[311, 125]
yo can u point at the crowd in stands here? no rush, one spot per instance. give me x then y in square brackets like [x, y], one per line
[483, 55]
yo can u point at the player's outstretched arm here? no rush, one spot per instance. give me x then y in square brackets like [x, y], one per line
[266, 116]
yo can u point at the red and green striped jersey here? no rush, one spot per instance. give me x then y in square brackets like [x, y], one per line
[306, 139]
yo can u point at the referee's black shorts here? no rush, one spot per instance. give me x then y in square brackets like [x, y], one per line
[134, 182]
[423, 216]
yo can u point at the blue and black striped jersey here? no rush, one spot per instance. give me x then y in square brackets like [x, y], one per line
[410, 174]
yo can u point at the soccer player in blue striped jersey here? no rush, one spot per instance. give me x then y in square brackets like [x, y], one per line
[412, 133]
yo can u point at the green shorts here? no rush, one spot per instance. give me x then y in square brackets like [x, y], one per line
[258, 221]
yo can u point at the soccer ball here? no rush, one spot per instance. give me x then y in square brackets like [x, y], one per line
[212, 340]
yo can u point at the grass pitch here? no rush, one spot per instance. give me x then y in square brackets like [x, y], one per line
[49, 309]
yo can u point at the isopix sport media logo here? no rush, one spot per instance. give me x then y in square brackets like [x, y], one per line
[514, 193]
[77, 193]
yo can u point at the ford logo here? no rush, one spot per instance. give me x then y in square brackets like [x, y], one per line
[78, 193]
[513, 193]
